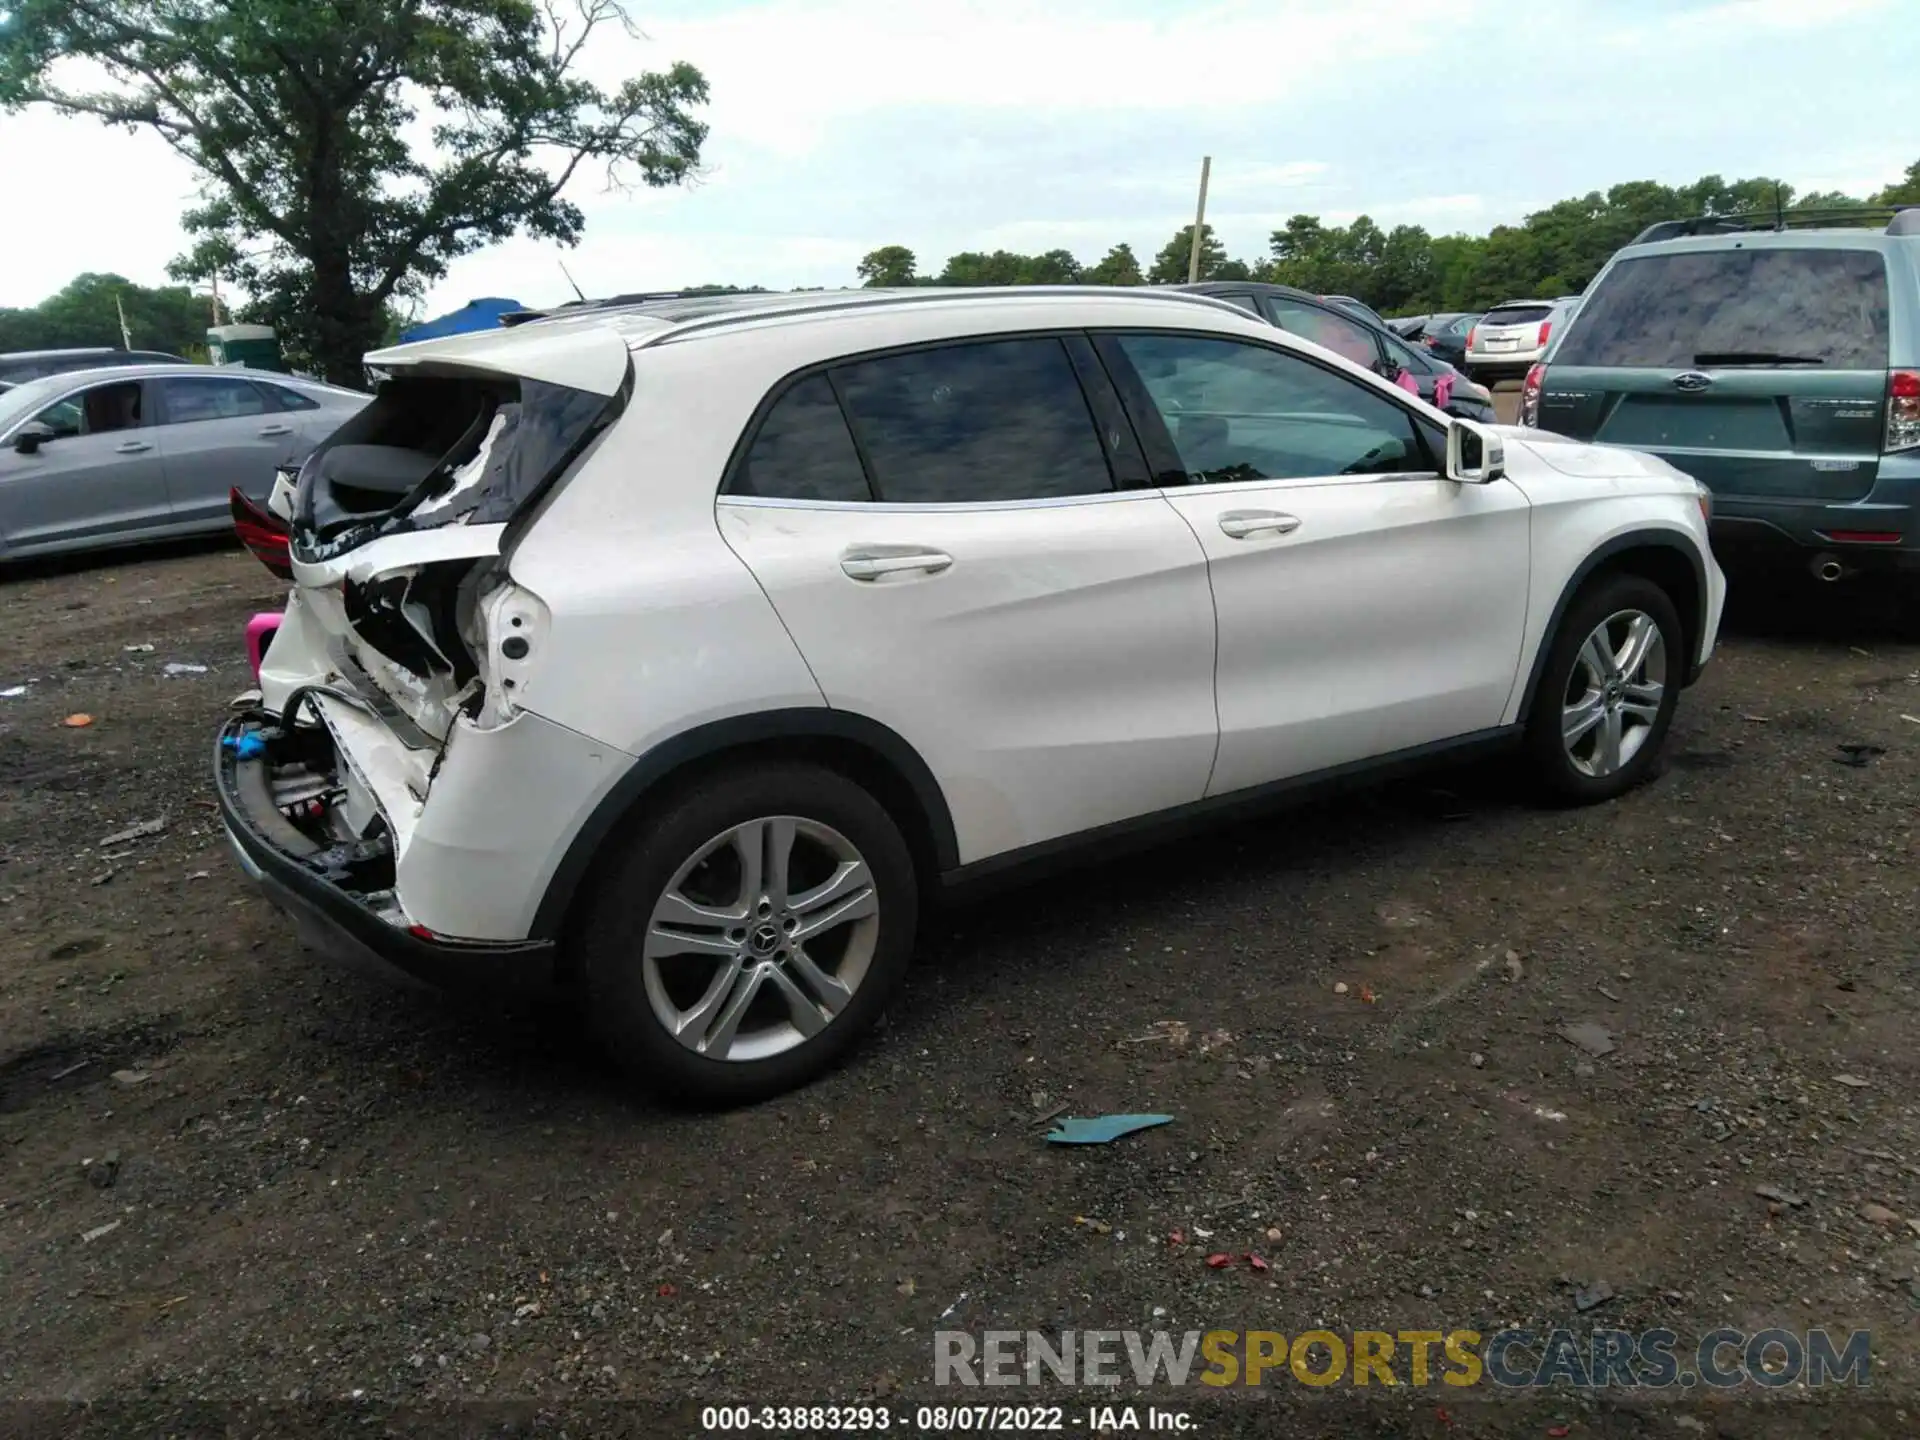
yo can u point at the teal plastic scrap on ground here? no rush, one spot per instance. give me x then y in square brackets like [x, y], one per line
[1101, 1129]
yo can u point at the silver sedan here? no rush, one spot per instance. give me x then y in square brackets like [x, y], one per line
[148, 452]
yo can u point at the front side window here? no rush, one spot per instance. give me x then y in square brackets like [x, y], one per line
[190, 398]
[974, 423]
[99, 411]
[1348, 339]
[64, 418]
[1237, 411]
[1763, 306]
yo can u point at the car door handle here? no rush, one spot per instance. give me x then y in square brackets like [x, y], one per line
[871, 566]
[132, 447]
[1242, 523]
[276, 429]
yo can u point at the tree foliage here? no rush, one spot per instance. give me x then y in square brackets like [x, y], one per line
[171, 318]
[890, 265]
[1119, 266]
[350, 150]
[1405, 270]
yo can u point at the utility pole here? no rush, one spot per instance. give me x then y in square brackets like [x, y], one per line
[1199, 222]
[216, 298]
[126, 336]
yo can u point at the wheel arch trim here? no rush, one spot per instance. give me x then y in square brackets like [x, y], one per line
[1598, 559]
[672, 756]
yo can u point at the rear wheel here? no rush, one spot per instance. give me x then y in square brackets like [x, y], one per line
[750, 934]
[1607, 696]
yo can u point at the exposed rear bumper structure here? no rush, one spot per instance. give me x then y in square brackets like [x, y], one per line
[318, 887]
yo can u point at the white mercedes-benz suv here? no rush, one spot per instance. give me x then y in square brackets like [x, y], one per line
[678, 652]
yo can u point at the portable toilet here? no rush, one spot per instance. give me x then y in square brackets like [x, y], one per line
[253, 345]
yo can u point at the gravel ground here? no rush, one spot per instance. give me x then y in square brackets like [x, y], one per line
[228, 1174]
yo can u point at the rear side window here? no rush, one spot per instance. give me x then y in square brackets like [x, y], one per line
[288, 399]
[190, 398]
[975, 423]
[1803, 306]
[803, 450]
[1347, 338]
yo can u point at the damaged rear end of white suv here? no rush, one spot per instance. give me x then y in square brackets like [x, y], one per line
[386, 788]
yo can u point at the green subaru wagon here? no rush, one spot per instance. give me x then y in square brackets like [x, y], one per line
[1778, 366]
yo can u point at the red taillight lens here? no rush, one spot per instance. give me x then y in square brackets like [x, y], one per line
[1530, 395]
[1903, 409]
[1546, 329]
[1864, 537]
[262, 533]
[1471, 333]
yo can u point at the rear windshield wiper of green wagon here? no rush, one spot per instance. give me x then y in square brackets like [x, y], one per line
[1754, 357]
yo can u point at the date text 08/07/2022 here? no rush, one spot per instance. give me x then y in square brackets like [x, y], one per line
[942, 1419]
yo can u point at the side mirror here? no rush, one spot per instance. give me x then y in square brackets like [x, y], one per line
[1475, 456]
[31, 436]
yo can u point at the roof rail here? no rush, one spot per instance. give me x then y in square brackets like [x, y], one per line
[576, 307]
[1896, 219]
[832, 301]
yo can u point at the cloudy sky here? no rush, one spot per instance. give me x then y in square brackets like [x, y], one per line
[842, 125]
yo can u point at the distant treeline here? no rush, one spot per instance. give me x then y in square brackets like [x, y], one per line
[1404, 270]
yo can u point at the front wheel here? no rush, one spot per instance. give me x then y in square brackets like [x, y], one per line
[750, 935]
[1607, 696]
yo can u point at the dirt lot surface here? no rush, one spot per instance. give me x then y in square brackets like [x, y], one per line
[228, 1173]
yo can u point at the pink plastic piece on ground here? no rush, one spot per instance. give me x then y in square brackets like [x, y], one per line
[260, 635]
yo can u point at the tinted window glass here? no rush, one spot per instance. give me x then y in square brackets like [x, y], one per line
[986, 421]
[288, 399]
[1517, 315]
[191, 398]
[1408, 357]
[1245, 302]
[1668, 311]
[803, 450]
[1346, 338]
[63, 418]
[1243, 412]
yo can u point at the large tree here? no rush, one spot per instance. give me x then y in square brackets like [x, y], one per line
[889, 266]
[350, 149]
[1170, 265]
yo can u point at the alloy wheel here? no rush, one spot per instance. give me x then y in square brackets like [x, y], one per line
[761, 938]
[1614, 694]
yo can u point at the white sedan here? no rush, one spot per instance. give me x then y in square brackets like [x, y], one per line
[676, 651]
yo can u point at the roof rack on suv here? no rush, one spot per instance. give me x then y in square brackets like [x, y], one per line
[1898, 220]
[575, 307]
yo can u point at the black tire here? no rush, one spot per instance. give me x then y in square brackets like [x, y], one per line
[1554, 768]
[621, 907]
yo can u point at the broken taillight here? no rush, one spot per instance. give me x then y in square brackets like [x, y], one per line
[1530, 395]
[262, 533]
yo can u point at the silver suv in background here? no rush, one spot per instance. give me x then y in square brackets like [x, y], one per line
[129, 453]
[1513, 337]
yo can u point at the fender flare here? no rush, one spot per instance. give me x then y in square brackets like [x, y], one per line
[761, 727]
[1677, 540]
